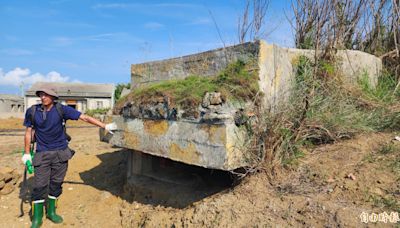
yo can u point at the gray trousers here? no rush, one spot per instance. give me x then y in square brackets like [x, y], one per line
[50, 169]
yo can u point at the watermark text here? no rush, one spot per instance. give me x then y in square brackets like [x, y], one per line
[385, 217]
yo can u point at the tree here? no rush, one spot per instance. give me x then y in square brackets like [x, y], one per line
[251, 23]
[119, 88]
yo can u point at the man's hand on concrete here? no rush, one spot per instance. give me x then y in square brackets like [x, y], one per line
[111, 127]
[25, 158]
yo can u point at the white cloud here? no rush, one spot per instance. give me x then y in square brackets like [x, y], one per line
[200, 21]
[62, 41]
[153, 25]
[16, 52]
[20, 76]
[176, 5]
[139, 5]
[71, 24]
[112, 6]
[103, 37]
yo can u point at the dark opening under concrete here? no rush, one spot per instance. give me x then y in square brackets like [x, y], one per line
[160, 181]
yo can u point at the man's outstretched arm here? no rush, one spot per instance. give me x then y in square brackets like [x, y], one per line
[109, 127]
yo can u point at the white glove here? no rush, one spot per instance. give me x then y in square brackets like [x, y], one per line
[25, 158]
[111, 127]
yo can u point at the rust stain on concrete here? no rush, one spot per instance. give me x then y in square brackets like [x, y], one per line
[188, 155]
[131, 140]
[155, 127]
[277, 78]
[216, 133]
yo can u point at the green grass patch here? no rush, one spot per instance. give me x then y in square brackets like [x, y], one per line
[99, 111]
[384, 90]
[370, 158]
[237, 83]
[17, 151]
[388, 148]
[395, 165]
[388, 202]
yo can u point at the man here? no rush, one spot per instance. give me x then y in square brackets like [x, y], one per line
[52, 152]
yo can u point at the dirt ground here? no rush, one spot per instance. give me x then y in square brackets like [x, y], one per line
[331, 186]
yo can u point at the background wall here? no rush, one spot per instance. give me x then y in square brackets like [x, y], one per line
[275, 67]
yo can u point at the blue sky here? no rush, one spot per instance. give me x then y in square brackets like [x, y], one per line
[96, 41]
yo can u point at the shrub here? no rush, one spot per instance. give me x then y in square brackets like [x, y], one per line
[322, 110]
[99, 111]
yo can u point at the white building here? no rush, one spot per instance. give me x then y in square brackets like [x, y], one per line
[81, 96]
[11, 106]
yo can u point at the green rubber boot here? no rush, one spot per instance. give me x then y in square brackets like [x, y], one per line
[37, 213]
[51, 210]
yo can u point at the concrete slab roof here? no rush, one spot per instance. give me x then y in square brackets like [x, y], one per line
[76, 89]
[11, 97]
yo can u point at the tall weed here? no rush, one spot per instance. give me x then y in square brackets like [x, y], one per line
[324, 110]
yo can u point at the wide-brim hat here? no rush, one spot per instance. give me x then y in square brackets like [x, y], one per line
[47, 90]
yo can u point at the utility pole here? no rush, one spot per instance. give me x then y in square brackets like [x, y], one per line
[21, 87]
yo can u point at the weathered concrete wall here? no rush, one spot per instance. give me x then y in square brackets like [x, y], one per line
[207, 145]
[277, 70]
[203, 141]
[276, 75]
[351, 64]
[202, 64]
[275, 64]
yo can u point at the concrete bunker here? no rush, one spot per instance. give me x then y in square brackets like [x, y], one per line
[211, 132]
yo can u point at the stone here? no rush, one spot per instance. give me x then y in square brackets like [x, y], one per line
[215, 108]
[215, 117]
[330, 180]
[215, 98]
[191, 114]
[172, 114]
[211, 98]
[2, 177]
[8, 188]
[134, 112]
[351, 176]
[8, 177]
[6, 170]
[160, 111]
[2, 184]
[126, 111]
[206, 102]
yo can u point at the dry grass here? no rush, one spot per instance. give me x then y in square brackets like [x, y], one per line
[17, 123]
[11, 123]
[324, 110]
